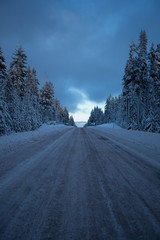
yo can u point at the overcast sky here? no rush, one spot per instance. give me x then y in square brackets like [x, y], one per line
[82, 45]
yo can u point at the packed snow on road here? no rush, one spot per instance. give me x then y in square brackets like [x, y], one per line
[62, 182]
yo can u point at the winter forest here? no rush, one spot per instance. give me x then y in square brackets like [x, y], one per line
[22, 106]
[138, 107]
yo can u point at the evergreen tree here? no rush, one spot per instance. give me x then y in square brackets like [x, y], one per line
[142, 81]
[96, 117]
[65, 116]
[36, 100]
[47, 102]
[108, 112]
[32, 83]
[71, 121]
[119, 110]
[129, 85]
[29, 82]
[157, 89]
[31, 106]
[18, 69]
[5, 119]
[57, 111]
[150, 121]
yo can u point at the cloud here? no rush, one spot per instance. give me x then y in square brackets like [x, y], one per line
[78, 43]
[85, 106]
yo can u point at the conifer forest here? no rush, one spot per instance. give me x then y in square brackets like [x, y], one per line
[138, 106]
[22, 106]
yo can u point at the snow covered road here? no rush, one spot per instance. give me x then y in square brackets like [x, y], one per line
[80, 184]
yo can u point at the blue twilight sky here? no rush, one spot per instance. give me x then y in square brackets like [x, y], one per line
[82, 45]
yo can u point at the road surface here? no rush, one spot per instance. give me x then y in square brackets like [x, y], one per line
[78, 184]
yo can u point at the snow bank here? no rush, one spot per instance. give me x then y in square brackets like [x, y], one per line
[144, 145]
[147, 138]
[110, 125]
[13, 140]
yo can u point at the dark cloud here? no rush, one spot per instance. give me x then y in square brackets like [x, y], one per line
[81, 44]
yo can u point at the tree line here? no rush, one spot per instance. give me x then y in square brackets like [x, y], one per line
[138, 106]
[23, 107]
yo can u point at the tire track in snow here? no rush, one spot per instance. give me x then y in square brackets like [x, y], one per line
[119, 159]
[82, 186]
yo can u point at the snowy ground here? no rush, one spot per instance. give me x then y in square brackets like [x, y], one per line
[14, 140]
[144, 144]
[110, 125]
[74, 183]
[146, 138]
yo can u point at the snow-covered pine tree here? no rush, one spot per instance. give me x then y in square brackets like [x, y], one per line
[47, 102]
[57, 110]
[31, 99]
[99, 115]
[112, 109]
[3, 71]
[157, 89]
[61, 115]
[91, 120]
[151, 98]
[36, 99]
[35, 83]
[18, 69]
[127, 84]
[96, 117]
[5, 119]
[14, 105]
[130, 90]
[108, 111]
[71, 121]
[142, 81]
[119, 109]
[116, 109]
[9, 94]
[29, 111]
[65, 116]
[17, 73]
